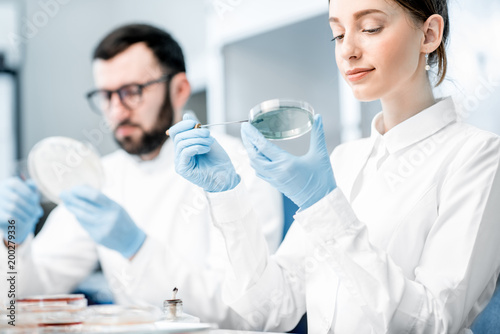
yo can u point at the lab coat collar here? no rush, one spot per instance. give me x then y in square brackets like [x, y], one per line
[416, 128]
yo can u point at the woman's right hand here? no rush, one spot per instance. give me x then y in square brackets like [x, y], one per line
[20, 204]
[200, 159]
[305, 179]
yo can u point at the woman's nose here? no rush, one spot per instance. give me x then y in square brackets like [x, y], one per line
[349, 48]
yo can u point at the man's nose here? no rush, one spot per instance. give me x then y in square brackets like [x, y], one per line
[117, 110]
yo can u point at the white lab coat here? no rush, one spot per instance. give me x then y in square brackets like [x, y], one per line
[182, 248]
[409, 242]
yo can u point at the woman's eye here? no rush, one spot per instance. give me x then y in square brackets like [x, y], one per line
[372, 31]
[338, 38]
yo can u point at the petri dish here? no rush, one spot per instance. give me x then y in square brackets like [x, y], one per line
[23, 323]
[60, 163]
[68, 301]
[55, 313]
[281, 119]
[20, 328]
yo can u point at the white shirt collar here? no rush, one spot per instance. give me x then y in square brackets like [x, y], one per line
[416, 128]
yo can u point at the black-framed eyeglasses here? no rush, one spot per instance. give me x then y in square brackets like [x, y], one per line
[130, 95]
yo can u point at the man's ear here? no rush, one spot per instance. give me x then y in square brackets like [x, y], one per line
[433, 33]
[180, 90]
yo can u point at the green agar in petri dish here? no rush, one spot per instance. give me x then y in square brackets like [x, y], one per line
[285, 122]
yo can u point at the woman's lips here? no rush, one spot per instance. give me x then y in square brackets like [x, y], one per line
[358, 74]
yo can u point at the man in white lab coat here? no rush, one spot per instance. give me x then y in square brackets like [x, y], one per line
[149, 228]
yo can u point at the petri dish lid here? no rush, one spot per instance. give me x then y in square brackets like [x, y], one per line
[49, 303]
[281, 119]
[66, 298]
[21, 327]
[60, 163]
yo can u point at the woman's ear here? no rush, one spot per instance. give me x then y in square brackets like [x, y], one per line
[433, 33]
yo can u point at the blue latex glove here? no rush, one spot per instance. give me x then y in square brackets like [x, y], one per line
[200, 159]
[105, 220]
[305, 179]
[19, 201]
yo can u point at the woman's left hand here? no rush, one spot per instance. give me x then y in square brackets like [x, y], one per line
[305, 179]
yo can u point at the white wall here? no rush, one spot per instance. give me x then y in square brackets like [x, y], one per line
[239, 19]
[474, 67]
[7, 154]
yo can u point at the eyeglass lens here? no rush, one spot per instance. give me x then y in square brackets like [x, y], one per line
[130, 97]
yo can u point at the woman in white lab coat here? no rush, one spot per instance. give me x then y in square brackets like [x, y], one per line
[402, 235]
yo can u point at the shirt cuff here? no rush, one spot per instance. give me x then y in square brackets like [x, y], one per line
[229, 206]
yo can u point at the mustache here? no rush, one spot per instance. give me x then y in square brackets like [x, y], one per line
[127, 122]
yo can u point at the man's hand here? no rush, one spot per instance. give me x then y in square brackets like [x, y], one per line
[105, 220]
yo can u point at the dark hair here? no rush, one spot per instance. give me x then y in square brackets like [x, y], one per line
[420, 11]
[166, 50]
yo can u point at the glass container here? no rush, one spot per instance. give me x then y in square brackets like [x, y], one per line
[281, 119]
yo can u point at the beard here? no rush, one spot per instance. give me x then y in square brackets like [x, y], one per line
[151, 140]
